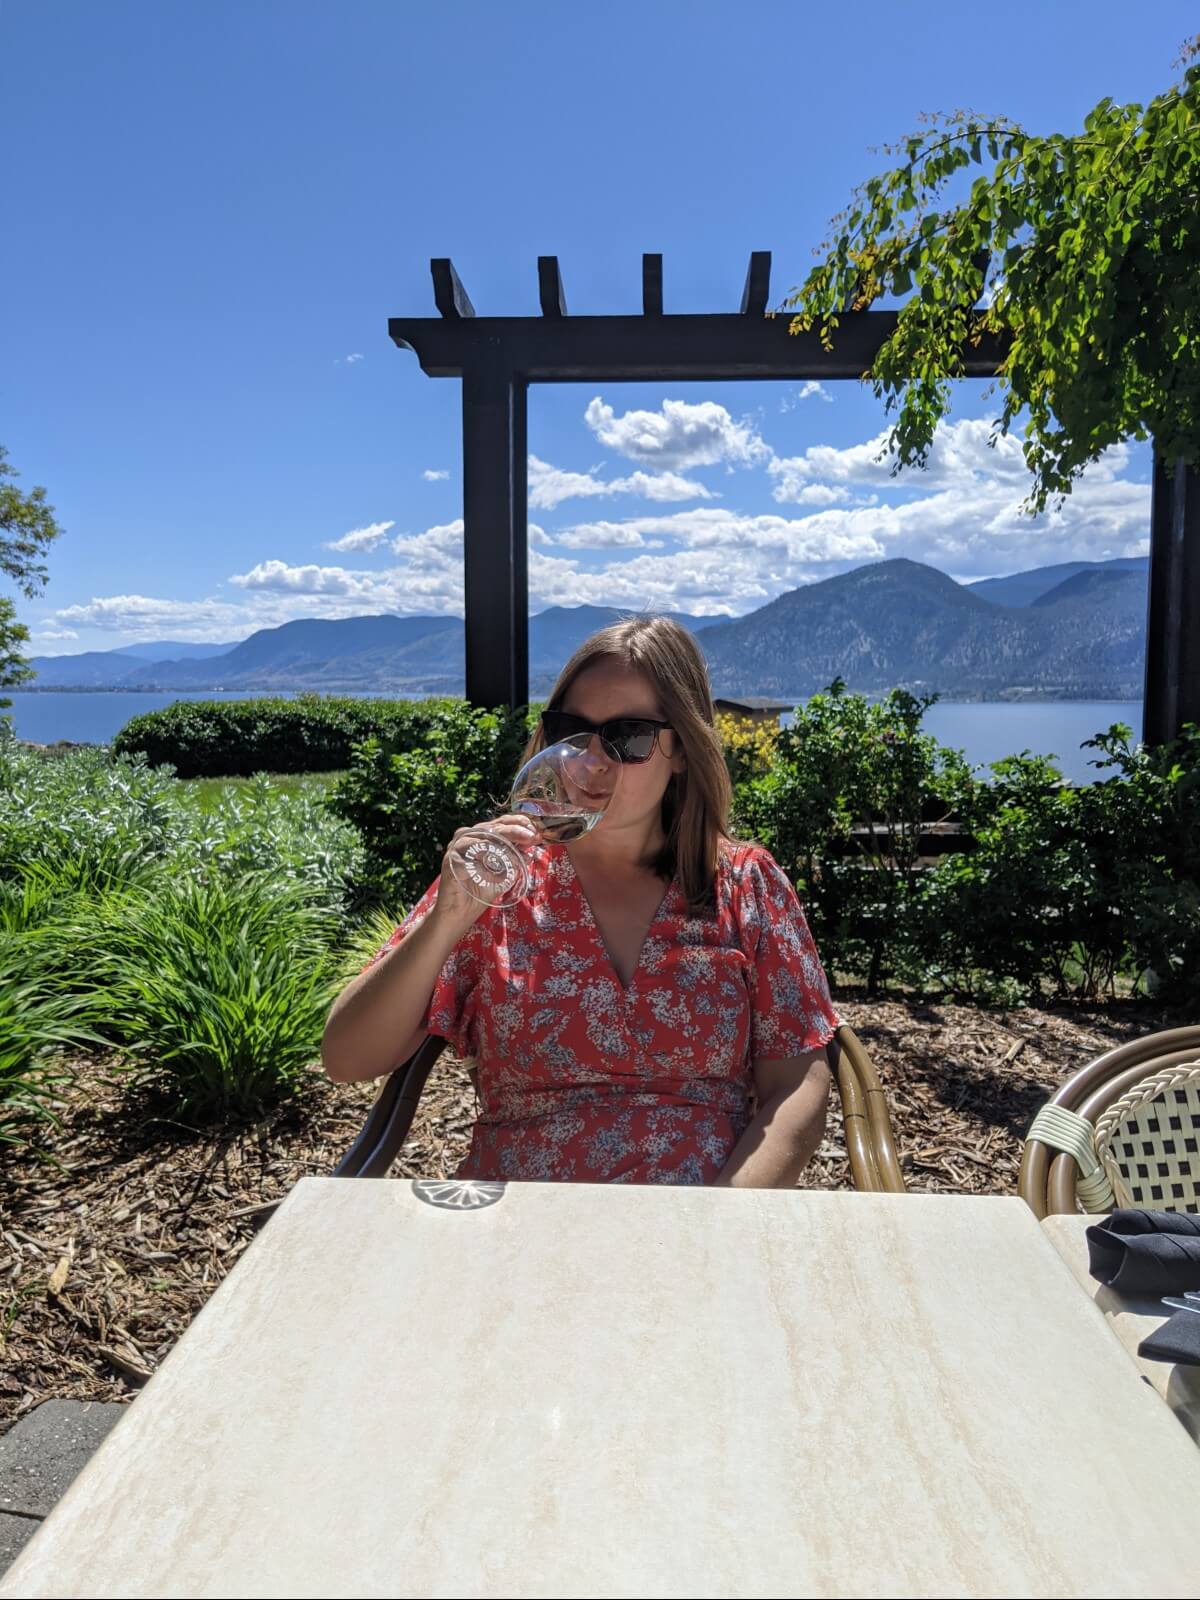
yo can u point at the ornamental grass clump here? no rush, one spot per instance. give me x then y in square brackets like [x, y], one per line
[217, 989]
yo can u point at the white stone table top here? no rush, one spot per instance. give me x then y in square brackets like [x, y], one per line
[1132, 1318]
[584, 1390]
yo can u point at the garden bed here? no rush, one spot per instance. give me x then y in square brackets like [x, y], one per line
[105, 1260]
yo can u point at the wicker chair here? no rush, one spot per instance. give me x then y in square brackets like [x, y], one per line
[869, 1141]
[1123, 1131]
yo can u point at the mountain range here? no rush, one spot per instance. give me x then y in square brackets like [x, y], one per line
[1071, 631]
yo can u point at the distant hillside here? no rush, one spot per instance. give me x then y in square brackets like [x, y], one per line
[92, 669]
[1026, 588]
[1091, 585]
[1080, 636]
[901, 623]
[358, 655]
[107, 669]
[175, 650]
[556, 634]
[380, 654]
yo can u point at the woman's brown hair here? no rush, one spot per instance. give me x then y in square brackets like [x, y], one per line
[695, 807]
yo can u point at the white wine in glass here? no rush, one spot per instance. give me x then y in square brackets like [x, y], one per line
[564, 790]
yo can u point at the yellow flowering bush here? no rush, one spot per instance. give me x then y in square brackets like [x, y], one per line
[749, 745]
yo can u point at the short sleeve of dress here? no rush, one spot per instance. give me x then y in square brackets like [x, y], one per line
[450, 1012]
[792, 1011]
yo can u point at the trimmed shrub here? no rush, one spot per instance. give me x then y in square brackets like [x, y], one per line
[238, 738]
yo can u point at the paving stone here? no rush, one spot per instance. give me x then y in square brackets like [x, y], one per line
[15, 1534]
[41, 1455]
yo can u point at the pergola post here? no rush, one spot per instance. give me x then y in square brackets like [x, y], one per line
[1172, 694]
[495, 562]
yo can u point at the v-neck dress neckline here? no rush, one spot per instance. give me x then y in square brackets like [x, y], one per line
[626, 988]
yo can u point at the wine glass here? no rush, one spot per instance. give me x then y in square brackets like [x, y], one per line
[564, 789]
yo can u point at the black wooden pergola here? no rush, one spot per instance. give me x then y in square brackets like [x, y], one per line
[497, 359]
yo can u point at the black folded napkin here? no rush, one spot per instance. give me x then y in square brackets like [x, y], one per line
[1177, 1340]
[1146, 1252]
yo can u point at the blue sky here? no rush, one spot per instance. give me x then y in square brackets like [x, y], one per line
[218, 204]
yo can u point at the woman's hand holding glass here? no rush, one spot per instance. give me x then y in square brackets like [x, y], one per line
[561, 793]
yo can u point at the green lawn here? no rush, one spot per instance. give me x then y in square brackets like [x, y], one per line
[207, 791]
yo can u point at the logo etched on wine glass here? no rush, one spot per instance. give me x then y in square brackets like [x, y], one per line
[457, 1194]
[563, 790]
[488, 866]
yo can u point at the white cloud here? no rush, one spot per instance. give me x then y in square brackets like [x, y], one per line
[150, 617]
[792, 546]
[361, 538]
[278, 575]
[962, 512]
[679, 434]
[715, 582]
[820, 494]
[434, 474]
[809, 390]
[960, 453]
[438, 547]
[348, 360]
[601, 536]
[52, 633]
[549, 486]
[662, 486]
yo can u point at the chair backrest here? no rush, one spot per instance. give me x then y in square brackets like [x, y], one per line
[389, 1119]
[1148, 1141]
[1048, 1177]
[870, 1143]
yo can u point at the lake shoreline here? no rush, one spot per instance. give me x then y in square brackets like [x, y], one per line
[984, 730]
[1010, 698]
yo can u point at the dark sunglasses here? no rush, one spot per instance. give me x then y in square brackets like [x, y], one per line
[632, 738]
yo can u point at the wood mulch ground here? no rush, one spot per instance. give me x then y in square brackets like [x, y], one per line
[104, 1262]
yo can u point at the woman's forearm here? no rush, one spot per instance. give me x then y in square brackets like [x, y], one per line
[375, 1023]
[783, 1136]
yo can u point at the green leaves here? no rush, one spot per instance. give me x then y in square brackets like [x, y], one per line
[27, 528]
[1058, 888]
[407, 803]
[202, 941]
[218, 988]
[1094, 240]
[237, 738]
[851, 783]
[35, 1024]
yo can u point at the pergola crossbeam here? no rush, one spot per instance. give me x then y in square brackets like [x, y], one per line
[708, 348]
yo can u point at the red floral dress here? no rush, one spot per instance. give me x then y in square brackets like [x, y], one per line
[580, 1078]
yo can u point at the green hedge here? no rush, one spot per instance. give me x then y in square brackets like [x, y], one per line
[237, 738]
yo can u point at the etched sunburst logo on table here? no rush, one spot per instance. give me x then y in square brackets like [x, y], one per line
[457, 1194]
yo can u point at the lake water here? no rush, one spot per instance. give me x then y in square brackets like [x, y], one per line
[94, 716]
[983, 730]
[986, 730]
